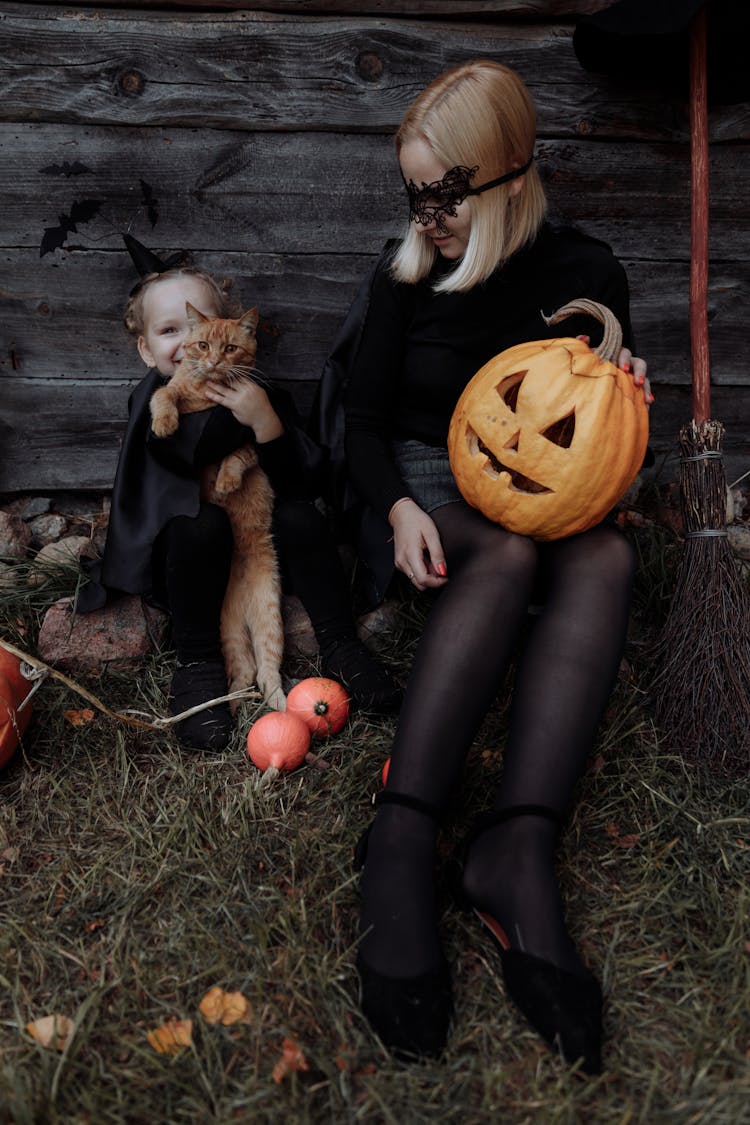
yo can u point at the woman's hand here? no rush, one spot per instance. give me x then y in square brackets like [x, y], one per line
[628, 362]
[250, 405]
[417, 549]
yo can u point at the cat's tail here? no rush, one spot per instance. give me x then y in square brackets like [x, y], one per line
[239, 659]
[252, 629]
[266, 626]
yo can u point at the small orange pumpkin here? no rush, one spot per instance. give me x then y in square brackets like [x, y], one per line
[321, 703]
[14, 687]
[278, 739]
[548, 435]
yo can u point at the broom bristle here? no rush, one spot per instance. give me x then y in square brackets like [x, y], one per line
[701, 686]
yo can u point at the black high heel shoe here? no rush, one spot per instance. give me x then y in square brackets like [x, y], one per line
[411, 1015]
[563, 1006]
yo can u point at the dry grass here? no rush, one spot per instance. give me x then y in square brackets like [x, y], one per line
[136, 876]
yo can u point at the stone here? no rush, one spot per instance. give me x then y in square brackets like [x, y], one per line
[299, 635]
[383, 619]
[65, 552]
[15, 536]
[116, 636]
[48, 528]
[27, 507]
[7, 576]
[739, 539]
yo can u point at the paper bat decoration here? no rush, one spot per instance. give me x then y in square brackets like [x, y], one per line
[54, 237]
[66, 169]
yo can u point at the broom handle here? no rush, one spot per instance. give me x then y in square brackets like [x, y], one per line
[699, 220]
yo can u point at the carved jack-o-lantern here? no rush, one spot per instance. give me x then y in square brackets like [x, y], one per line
[548, 435]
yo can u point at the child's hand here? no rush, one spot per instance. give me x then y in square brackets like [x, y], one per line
[250, 405]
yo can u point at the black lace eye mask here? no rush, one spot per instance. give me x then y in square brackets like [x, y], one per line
[433, 202]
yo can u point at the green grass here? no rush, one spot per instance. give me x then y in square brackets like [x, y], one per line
[135, 876]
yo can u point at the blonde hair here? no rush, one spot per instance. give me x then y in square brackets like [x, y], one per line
[219, 289]
[477, 113]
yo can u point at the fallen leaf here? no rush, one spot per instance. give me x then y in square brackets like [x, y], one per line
[218, 1006]
[51, 1031]
[628, 841]
[11, 854]
[97, 924]
[79, 718]
[292, 1058]
[172, 1036]
[613, 829]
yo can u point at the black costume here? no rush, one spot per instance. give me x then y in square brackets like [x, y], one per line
[163, 543]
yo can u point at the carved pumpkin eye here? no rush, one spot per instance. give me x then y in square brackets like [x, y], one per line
[561, 432]
[509, 387]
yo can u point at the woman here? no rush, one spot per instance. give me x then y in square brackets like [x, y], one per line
[473, 276]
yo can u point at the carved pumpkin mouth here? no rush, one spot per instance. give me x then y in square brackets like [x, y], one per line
[495, 467]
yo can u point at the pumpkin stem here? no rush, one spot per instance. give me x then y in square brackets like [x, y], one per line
[609, 349]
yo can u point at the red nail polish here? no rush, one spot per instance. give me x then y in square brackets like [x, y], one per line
[442, 569]
[626, 367]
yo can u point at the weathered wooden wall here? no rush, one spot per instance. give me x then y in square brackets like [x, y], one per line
[266, 140]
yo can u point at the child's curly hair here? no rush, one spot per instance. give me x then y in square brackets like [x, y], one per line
[220, 290]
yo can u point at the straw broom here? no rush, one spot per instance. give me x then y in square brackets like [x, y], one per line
[701, 688]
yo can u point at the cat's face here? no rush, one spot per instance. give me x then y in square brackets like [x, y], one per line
[219, 349]
[165, 321]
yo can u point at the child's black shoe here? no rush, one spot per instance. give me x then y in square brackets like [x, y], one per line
[371, 688]
[193, 684]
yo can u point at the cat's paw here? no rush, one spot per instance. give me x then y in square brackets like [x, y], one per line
[227, 481]
[164, 414]
[276, 700]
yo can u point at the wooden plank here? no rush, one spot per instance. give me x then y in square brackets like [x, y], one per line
[61, 317]
[75, 438]
[74, 441]
[297, 192]
[444, 9]
[61, 320]
[259, 71]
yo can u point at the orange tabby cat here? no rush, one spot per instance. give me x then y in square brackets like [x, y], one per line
[252, 633]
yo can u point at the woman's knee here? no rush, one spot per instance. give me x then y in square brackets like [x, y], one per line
[476, 544]
[602, 552]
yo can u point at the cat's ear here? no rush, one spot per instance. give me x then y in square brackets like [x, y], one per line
[249, 320]
[194, 316]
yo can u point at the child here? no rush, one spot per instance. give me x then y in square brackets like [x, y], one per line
[167, 544]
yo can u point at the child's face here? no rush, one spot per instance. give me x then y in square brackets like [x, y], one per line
[165, 323]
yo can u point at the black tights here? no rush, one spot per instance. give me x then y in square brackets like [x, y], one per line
[565, 674]
[192, 558]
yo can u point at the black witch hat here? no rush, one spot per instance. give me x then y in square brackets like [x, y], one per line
[147, 262]
[649, 38]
